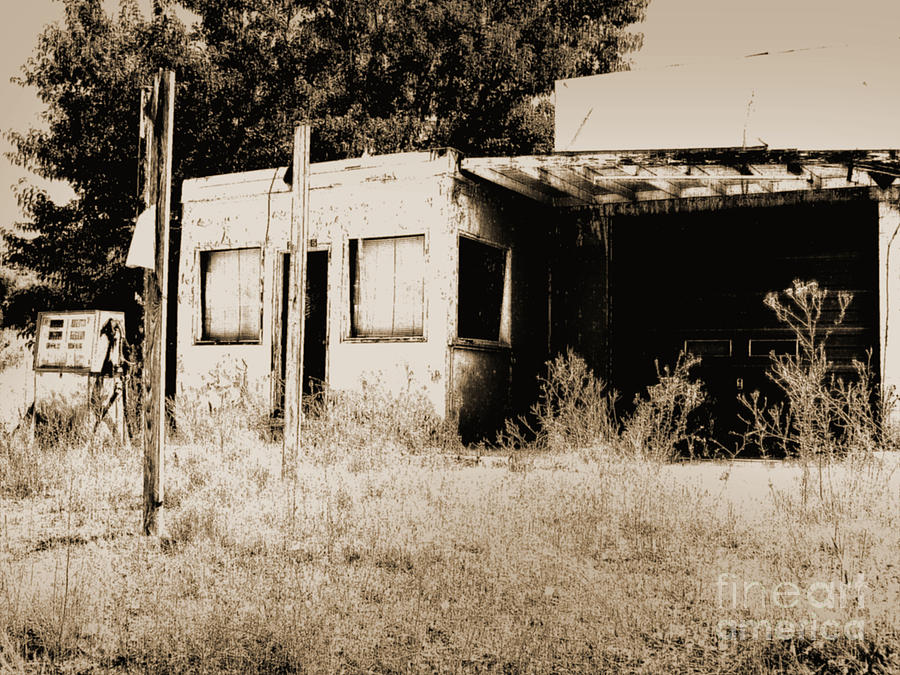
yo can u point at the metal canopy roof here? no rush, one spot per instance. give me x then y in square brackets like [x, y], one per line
[588, 179]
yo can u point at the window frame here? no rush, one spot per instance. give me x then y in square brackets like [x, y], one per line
[347, 332]
[200, 251]
[751, 353]
[504, 340]
[710, 342]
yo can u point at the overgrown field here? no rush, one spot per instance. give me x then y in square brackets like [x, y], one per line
[377, 559]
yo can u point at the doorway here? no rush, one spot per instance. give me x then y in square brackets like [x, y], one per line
[315, 326]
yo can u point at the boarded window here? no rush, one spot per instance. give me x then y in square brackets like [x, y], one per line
[387, 277]
[230, 295]
[482, 271]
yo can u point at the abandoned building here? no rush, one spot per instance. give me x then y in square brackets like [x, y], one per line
[651, 230]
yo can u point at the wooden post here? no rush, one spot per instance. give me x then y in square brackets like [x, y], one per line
[293, 375]
[157, 123]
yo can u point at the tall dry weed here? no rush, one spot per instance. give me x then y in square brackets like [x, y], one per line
[576, 410]
[661, 427]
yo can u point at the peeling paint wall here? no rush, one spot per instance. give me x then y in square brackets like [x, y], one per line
[353, 199]
[889, 287]
[491, 382]
[393, 195]
[205, 371]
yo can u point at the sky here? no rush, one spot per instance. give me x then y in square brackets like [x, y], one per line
[675, 31]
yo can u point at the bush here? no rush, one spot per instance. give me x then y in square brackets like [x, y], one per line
[661, 428]
[823, 415]
[576, 410]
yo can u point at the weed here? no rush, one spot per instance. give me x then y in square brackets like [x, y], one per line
[575, 410]
[823, 415]
[368, 426]
[222, 404]
[377, 554]
[831, 426]
[660, 428]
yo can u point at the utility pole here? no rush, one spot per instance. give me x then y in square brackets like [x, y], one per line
[293, 376]
[157, 123]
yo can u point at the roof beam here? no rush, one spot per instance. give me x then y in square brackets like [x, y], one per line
[503, 180]
[610, 183]
[553, 178]
[660, 183]
[603, 178]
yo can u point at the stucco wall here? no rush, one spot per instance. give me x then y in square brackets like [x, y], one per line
[394, 195]
[378, 209]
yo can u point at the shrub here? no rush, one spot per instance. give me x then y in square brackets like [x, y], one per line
[661, 427]
[576, 410]
[831, 425]
[823, 415]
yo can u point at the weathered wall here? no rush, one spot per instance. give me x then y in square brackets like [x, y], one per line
[481, 381]
[395, 207]
[233, 215]
[374, 197]
[889, 287]
[580, 303]
[493, 381]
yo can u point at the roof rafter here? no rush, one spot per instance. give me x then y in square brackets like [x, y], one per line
[584, 179]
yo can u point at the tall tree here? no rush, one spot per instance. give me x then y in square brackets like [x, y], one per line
[88, 72]
[370, 75]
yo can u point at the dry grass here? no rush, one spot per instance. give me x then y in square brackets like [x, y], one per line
[378, 560]
[386, 550]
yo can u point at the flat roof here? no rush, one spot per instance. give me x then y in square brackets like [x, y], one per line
[371, 168]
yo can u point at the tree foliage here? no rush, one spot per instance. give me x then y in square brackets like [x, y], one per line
[371, 76]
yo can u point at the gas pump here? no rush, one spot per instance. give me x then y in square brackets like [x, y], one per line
[78, 363]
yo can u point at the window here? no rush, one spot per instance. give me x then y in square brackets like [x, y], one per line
[482, 272]
[387, 296]
[703, 348]
[230, 303]
[776, 346]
